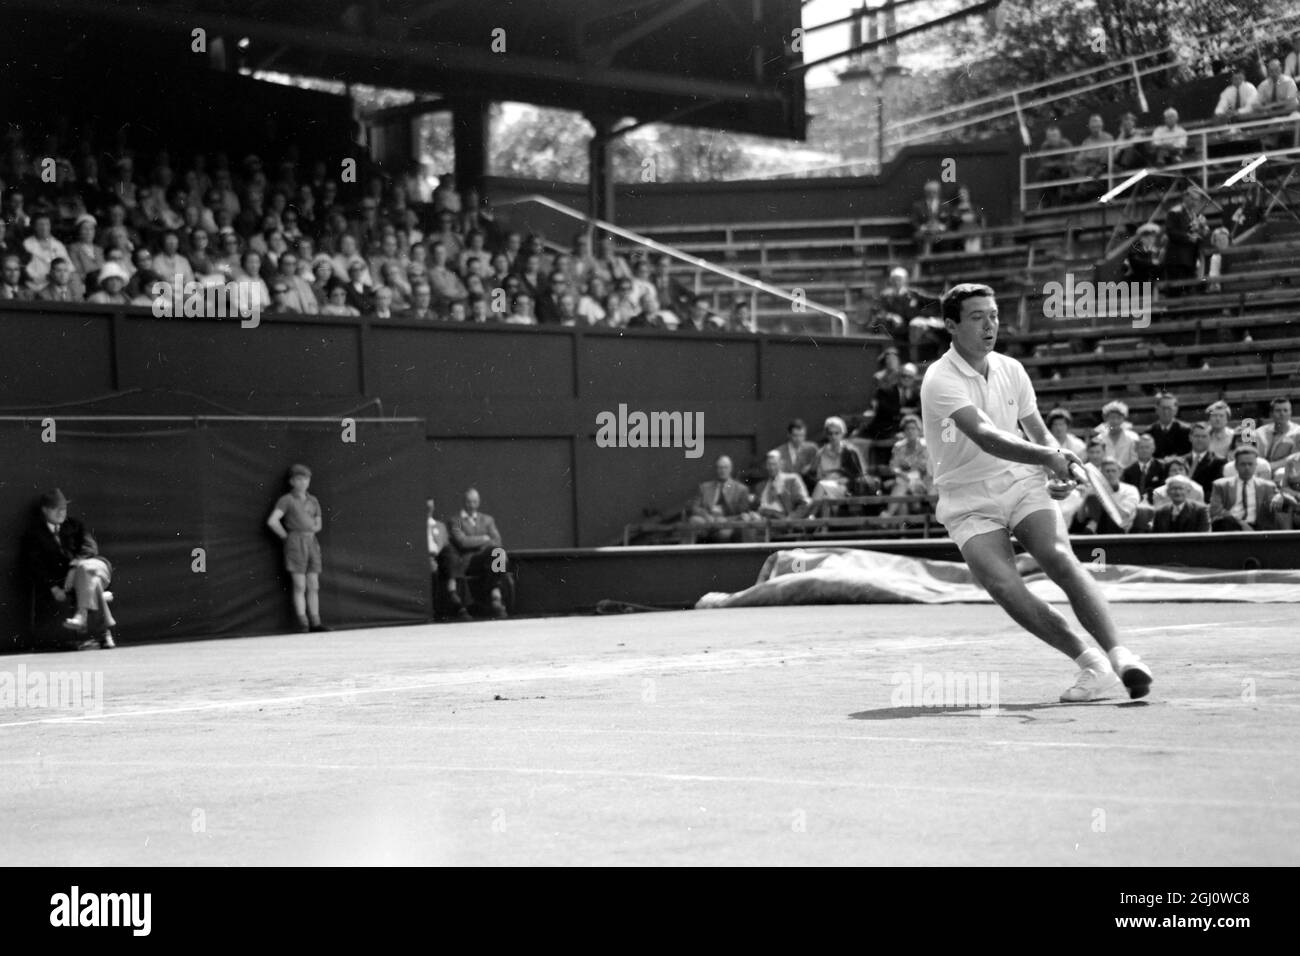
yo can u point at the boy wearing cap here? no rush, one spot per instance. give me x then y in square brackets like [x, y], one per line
[296, 520]
[89, 575]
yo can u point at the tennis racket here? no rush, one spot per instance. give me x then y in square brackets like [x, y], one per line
[1090, 475]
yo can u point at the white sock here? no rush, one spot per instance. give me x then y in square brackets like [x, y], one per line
[1092, 659]
[1121, 657]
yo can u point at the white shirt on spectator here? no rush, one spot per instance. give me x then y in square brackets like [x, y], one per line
[1241, 98]
[42, 255]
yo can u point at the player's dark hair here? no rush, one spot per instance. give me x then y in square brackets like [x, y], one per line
[795, 423]
[950, 306]
[1280, 400]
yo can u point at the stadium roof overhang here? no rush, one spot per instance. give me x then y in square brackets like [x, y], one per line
[725, 64]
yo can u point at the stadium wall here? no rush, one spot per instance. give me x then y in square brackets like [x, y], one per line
[153, 491]
[512, 410]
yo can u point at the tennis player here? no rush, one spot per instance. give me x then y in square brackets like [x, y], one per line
[991, 483]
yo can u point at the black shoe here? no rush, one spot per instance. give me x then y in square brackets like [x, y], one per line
[463, 614]
[498, 609]
[318, 628]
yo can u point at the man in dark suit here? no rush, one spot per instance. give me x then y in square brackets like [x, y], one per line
[47, 548]
[1203, 466]
[1185, 234]
[478, 551]
[1243, 502]
[723, 499]
[798, 456]
[1181, 515]
[1147, 473]
[1172, 436]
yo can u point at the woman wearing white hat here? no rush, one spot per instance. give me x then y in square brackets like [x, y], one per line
[112, 283]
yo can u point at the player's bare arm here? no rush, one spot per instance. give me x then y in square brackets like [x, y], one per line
[977, 426]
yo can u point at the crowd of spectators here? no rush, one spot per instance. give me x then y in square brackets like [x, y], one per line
[1177, 477]
[117, 228]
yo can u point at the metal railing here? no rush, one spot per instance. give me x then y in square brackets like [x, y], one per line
[799, 303]
[1198, 141]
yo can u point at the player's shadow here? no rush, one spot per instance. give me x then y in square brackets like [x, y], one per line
[1023, 712]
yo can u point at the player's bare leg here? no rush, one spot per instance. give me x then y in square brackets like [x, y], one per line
[992, 561]
[1043, 535]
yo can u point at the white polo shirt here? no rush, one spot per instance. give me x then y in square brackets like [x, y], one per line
[1005, 397]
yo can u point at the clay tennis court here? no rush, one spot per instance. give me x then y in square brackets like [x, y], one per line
[744, 736]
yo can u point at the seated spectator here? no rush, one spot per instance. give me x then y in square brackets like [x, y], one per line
[797, 455]
[910, 465]
[895, 306]
[393, 279]
[298, 295]
[1277, 94]
[548, 306]
[457, 312]
[782, 494]
[360, 292]
[590, 307]
[929, 218]
[568, 314]
[1176, 466]
[475, 249]
[63, 286]
[673, 296]
[1172, 435]
[89, 575]
[1093, 158]
[322, 278]
[1144, 260]
[1147, 472]
[1237, 97]
[1263, 468]
[422, 307]
[170, 263]
[612, 265]
[42, 249]
[742, 319]
[530, 274]
[701, 317]
[200, 255]
[46, 549]
[85, 256]
[840, 470]
[1203, 466]
[336, 300]
[1243, 502]
[1070, 506]
[1093, 517]
[891, 403]
[1053, 167]
[1168, 141]
[226, 261]
[1279, 438]
[1117, 436]
[1059, 421]
[1180, 514]
[521, 310]
[722, 499]
[478, 310]
[1286, 476]
[1221, 436]
[478, 551]
[382, 304]
[112, 285]
[447, 286]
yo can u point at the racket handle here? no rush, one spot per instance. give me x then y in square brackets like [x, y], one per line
[1079, 475]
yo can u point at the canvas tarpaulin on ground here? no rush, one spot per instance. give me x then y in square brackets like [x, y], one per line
[156, 492]
[849, 576]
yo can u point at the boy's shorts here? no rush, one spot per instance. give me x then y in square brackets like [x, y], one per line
[302, 553]
[1000, 502]
[98, 568]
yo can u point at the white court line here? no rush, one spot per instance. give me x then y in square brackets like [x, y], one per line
[581, 669]
[694, 778]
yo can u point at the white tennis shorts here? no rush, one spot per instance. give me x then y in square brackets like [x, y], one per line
[1000, 502]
